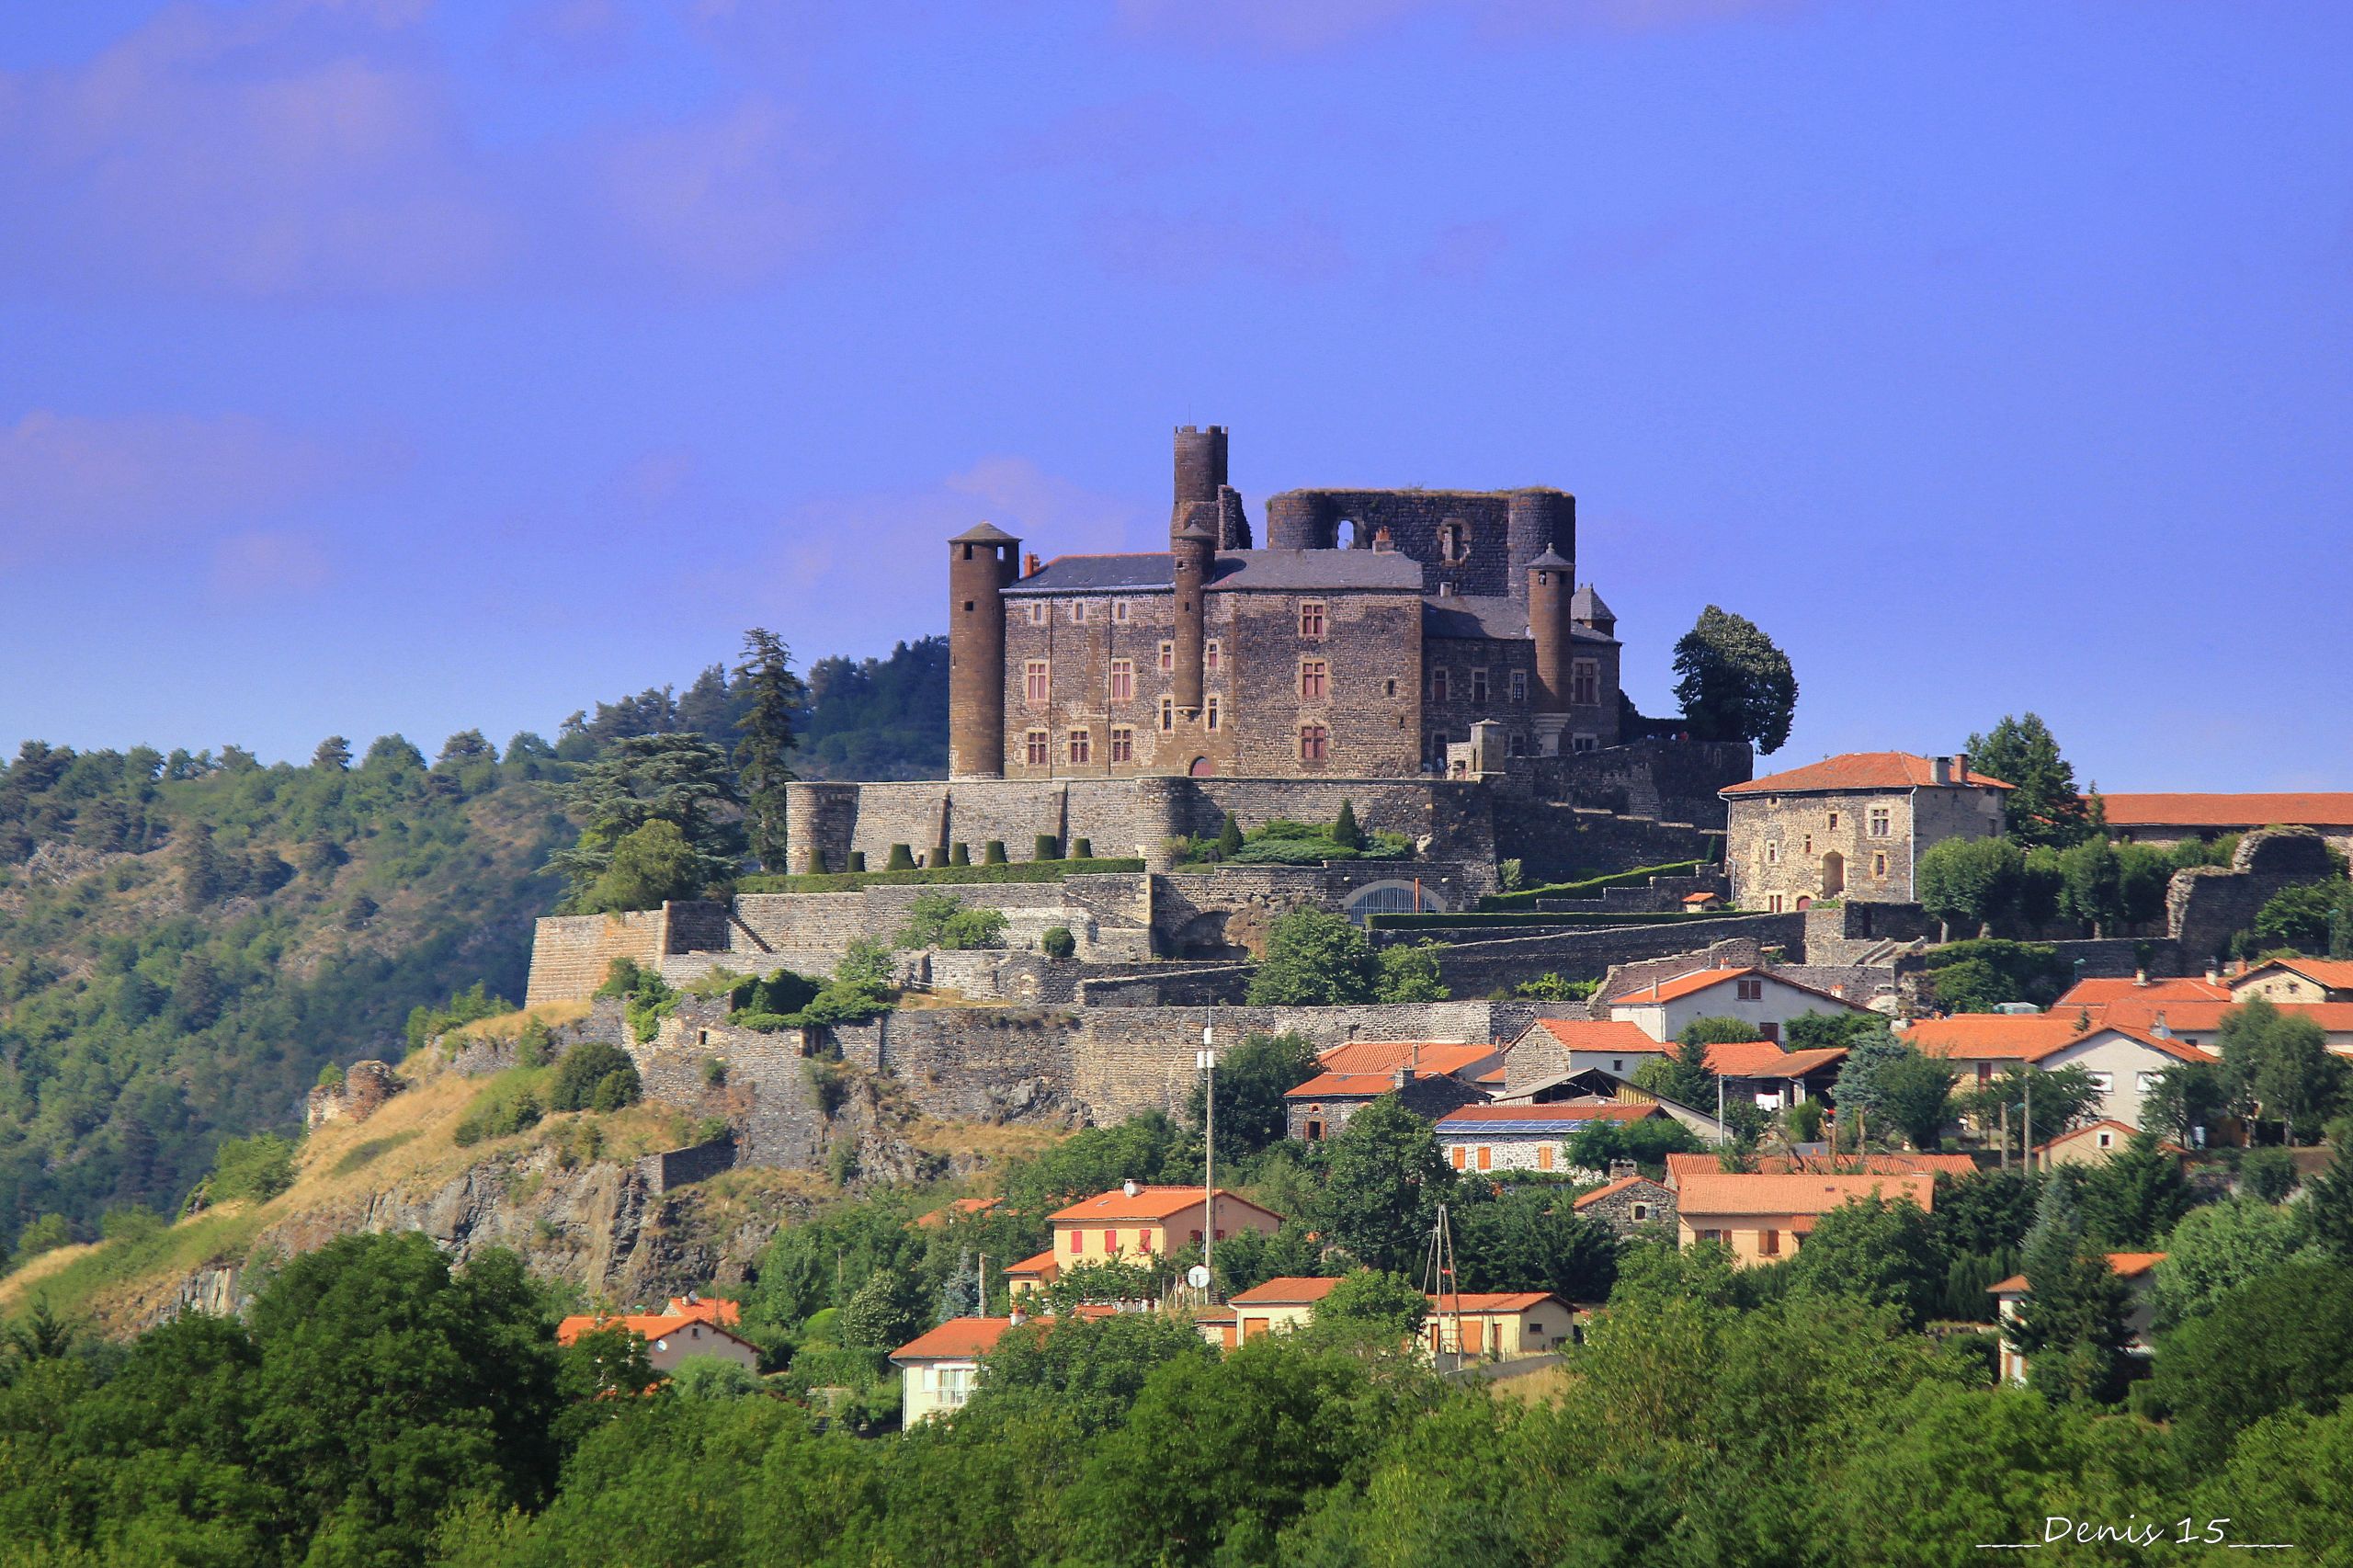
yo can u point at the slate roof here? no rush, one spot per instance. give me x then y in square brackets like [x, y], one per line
[1586, 605]
[1097, 573]
[1237, 570]
[1469, 615]
[1855, 770]
[985, 533]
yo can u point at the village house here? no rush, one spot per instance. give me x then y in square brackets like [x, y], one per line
[2124, 1063]
[1277, 1305]
[689, 1325]
[1526, 1137]
[2094, 1143]
[2287, 980]
[1892, 1163]
[2164, 820]
[1760, 1070]
[1320, 1107]
[1764, 1218]
[2134, 1268]
[939, 1369]
[1850, 827]
[1134, 1223]
[1628, 1202]
[2099, 990]
[1498, 1325]
[1758, 997]
[2200, 1024]
[1551, 1049]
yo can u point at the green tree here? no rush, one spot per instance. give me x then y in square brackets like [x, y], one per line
[1915, 1091]
[2061, 1098]
[763, 765]
[1411, 974]
[1532, 1238]
[1882, 1252]
[1732, 683]
[2090, 885]
[2185, 1097]
[1830, 1031]
[2216, 1249]
[1684, 1077]
[1229, 838]
[1252, 1080]
[2307, 919]
[1345, 831]
[682, 779]
[584, 1070]
[1370, 1302]
[1384, 1180]
[883, 1313]
[255, 1168]
[2043, 806]
[1086, 1372]
[1974, 881]
[2282, 1341]
[2072, 1325]
[712, 1377]
[649, 866]
[1314, 960]
[2131, 1202]
[2142, 877]
[2328, 1204]
[2281, 1063]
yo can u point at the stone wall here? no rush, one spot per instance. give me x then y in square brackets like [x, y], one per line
[571, 953]
[1474, 968]
[1555, 842]
[365, 1086]
[1856, 929]
[2206, 905]
[1672, 782]
[678, 1167]
[1227, 911]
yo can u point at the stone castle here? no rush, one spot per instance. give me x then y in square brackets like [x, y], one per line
[1368, 636]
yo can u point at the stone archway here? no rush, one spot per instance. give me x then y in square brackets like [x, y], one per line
[1202, 769]
[1833, 874]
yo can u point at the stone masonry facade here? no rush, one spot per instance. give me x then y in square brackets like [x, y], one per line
[1848, 828]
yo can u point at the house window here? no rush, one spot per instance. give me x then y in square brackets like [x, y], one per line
[1212, 712]
[1310, 617]
[1210, 653]
[1487, 1156]
[1769, 1243]
[1082, 746]
[1123, 680]
[1809, 844]
[1583, 743]
[1618, 1065]
[2102, 1081]
[1984, 1073]
[1313, 741]
[1520, 686]
[1438, 685]
[1879, 865]
[1879, 822]
[1167, 714]
[1144, 1242]
[1037, 612]
[2144, 1082]
[1458, 1154]
[1168, 658]
[1034, 749]
[1641, 1213]
[1750, 990]
[1772, 852]
[1314, 1134]
[1773, 903]
[1543, 1156]
[1314, 679]
[1123, 744]
[1585, 681]
[1479, 686]
[1078, 612]
[2106, 1139]
[1119, 610]
[1037, 684]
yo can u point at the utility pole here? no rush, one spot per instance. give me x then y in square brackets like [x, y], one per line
[1208, 1064]
[2025, 1133]
[981, 1308]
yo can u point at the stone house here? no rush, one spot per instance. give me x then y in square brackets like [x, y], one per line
[2296, 979]
[1851, 827]
[1321, 1107]
[1629, 1202]
[1764, 1218]
[1526, 1137]
[1551, 1049]
[1759, 998]
[2137, 1270]
[2124, 1062]
[1759, 1070]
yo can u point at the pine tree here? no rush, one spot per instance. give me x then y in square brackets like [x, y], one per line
[2042, 807]
[2072, 1325]
[1229, 838]
[1345, 831]
[777, 697]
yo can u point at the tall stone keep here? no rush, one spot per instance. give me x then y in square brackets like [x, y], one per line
[1200, 463]
[1551, 588]
[979, 565]
[1192, 552]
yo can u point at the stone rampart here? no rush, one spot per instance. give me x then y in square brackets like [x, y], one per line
[2207, 905]
[1475, 966]
[678, 1167]
[569, 953]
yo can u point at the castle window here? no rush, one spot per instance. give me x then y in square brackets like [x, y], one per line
[1772, 852]
[1035, 750]
[1773, 903]
[1881, 821]
[1584, 681]
[1438, 685]
[1119, 610]
[1878, 864]
[1585, 743]
[1520, 686]
[1388, 687]
[1123, 744]
[1210, 656]
[1479, 686]
[1078, 612]
[1834, 822]
[1809, 844]
[1037, 612]
[1082, 746]
[1519, 743]
[1212, 711]
[1310, 617]
[1314, 740]
[1037, 683]
[1314, 678]
[1167, 714]
[1123, 680]
[1453, 541]
[1168, 658]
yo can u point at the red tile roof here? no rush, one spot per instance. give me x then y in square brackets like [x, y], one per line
[1036, 1263]
[1609, 1189]
[1724, 1192]
[1385, 1056]
[1287, 1290]
[1559, 1112]
[1344, 1085]
[2333, 974]
[2101, 992]
[1490, 1302]
[1706, 978]
[2127, 1266]
[708, 1309]
[2311, 809]
[1855, 770]
[2110, 1124]
[958, 1339]
[649, 1326]
[1680, 1165]
[1149, 1203]
[2206, 1017]
[962, 1208]
[1596, 1034]
[1763, 1059]
[2035, 1036]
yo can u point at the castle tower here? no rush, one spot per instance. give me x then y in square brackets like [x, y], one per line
[1201, 464]
[979, 565]
[1550, 586]
[1537, 521]
[1192, 552]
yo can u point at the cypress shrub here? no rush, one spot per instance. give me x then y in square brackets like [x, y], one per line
[959, 854]
[1058, 942]
[1082, 849]
[858, 859]
[992, 854]
[902, 859]
[1229, 838]
[816, 862]
[1049, 847]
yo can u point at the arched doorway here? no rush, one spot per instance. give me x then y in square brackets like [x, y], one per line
[1804, 903]
[1833, 874]
[1202, 769]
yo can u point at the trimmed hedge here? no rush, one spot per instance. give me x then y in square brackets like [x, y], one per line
[1590, 887]
[1022, 871]
[1474, 921]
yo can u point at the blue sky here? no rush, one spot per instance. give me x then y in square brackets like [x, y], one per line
[373, 365]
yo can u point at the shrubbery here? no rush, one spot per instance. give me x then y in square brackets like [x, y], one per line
[593, 1076]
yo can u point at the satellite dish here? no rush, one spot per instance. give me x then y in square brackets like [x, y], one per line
[1197, 1277]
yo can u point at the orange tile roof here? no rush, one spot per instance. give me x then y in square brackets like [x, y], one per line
[962, 1208]
[958, 1339]
[1559, 1110]
[2111, 1124]
[1855, 770]
[2034, 1036]
[1596, 1034]
[1289, 1291]
[708, 1309]
[2336, 974]
[1610, 1189]
[649, 1326]
[1385, 1056]
[2312, 809]
[1724, 1192]
[1764, 1058]
[1492, 1076]
[1489, 1302]
[1341, 1085]
[2206, 1017]
[1149, 1203]
[1706, 979]
[1038, 1263]
[2107, 989]
[2127, 1266]
[1680, 1165]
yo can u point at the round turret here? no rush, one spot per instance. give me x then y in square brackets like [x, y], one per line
[980, 566]
[1549, 587]
[1193, 553]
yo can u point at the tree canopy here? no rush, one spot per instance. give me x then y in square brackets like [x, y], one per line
[2043, 806]
[1732, 683]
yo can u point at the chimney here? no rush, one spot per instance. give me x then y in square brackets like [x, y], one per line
[1382, 542]
[1405, 1076]
[1415, 1061]
[1015, 1317]
[1622, 1170]
[1960, 768]
[1941, 770]
[1029, 564]
[1130, 1188]
[2140, 977]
